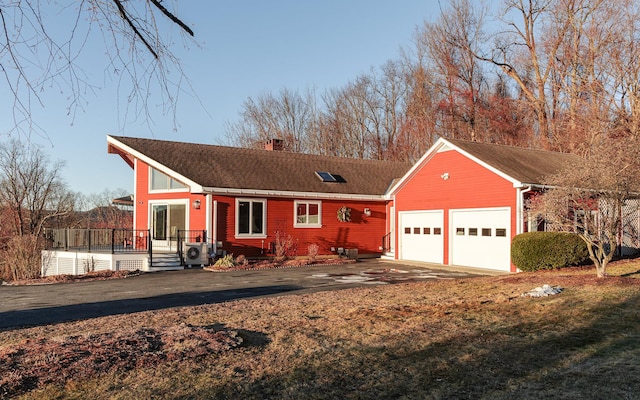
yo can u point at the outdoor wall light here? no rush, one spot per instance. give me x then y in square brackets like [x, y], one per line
[445, 176]
[196, 204]
[367, 212]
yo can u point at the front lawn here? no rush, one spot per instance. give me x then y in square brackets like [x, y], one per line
[447, 339]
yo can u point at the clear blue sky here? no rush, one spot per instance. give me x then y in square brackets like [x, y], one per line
[247, 48]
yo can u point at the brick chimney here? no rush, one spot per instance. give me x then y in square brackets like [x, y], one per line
[274, 145]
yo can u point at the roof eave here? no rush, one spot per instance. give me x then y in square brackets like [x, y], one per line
[291, 194]
[114, 144]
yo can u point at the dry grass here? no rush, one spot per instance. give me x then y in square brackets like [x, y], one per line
[469, 338]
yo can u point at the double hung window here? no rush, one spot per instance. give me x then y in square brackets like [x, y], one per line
[307, 214]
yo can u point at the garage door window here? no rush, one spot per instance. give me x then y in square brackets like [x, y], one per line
[407, 231]
[500, 232]
[473, 231]
[426, 231]
[460, 231]
[486, 231]
[416, 231]
[437, 231]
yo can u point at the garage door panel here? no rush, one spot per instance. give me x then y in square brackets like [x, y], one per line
[480, 238]
[421, 236]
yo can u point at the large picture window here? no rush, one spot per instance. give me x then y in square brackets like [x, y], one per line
[307, 214]
[250, 218]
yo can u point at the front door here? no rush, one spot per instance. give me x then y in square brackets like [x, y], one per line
[167, 220]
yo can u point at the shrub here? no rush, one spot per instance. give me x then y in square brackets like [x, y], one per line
[312, 251]
[21, 258]
[242, 260]
[284, 245]
[533, 251]
[225, 262]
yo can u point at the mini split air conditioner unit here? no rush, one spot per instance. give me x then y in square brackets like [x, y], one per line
[195, 254]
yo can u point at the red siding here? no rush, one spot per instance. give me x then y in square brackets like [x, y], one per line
[363, 232]
[143, 197]
[469, 185]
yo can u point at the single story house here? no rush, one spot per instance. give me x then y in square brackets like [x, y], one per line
[252, 202]
[460, 204]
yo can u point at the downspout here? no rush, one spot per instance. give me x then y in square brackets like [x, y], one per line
[208, 218]
[520, 211]
[135, 195]
[214, 229]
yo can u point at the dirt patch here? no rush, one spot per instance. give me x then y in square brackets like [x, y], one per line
[91, 276]
[35, 362]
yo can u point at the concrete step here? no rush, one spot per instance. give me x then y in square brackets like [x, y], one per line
[388, 256]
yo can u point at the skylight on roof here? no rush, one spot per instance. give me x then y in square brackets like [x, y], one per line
[326, 176]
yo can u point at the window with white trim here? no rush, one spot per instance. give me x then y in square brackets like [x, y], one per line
[160, 181]
[251, 218]
[307, 214]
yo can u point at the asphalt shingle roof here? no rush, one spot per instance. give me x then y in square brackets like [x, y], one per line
[525, 165]
[240, 168]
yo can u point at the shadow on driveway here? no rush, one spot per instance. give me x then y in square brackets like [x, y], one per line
[75, 312]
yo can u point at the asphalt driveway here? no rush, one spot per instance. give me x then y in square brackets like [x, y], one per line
[22, 306]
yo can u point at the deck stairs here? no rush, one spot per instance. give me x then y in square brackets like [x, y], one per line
[165, 261]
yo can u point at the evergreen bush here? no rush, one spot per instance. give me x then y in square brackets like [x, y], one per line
[533, 251]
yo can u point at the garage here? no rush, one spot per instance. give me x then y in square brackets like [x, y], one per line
[422, 236]
[481, 238]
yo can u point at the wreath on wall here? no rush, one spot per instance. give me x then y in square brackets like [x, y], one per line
[344, 214]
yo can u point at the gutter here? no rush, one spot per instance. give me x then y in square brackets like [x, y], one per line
[299, 195]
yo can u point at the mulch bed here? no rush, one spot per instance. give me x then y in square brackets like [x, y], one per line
[269, 264]
[91, 276]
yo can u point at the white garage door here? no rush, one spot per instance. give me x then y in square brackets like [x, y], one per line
[421, 236]
[481, 238]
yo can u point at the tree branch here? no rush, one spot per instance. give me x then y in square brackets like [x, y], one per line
[172, 17]
[125, 16]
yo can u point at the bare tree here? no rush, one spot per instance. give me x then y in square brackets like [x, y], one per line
[418, 128]
[31, 194]
[351, 114]
[451, 44]
[34, 57]
[526, 56]
[392, 88]
[595, 198]
[289, 116]
[621, 62]
[31, 188]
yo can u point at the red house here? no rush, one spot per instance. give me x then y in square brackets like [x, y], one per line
[242, 201]
[463, 202]
[460, 204]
